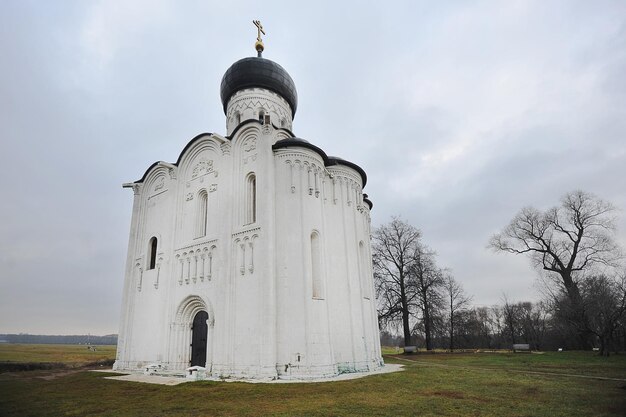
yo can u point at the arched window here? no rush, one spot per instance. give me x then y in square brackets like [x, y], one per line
[237, 118]
[250, 199]
[201, 215]
[153, 252]
[261, 116]
[316, 266]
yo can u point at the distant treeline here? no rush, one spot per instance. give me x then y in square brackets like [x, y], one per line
[83, 339]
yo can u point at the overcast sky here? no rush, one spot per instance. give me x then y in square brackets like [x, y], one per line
[461, 113]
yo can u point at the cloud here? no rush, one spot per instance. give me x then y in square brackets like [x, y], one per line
[460, 113]
[112, 25]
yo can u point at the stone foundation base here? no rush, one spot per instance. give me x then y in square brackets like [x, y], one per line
[279, 371]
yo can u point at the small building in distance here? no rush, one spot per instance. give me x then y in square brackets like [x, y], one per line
[250, 255]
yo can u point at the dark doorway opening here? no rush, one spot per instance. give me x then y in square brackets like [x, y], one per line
[198, 339]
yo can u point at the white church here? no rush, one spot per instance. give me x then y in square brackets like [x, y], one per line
[250, 255]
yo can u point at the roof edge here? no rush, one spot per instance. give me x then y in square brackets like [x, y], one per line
[287, 143]
[340, 161]
[328, 160]
[191, 142]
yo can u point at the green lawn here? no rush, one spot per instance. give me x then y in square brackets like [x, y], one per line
[585, 363]
[433, 385]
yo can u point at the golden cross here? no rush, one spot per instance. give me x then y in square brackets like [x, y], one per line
[260, 30]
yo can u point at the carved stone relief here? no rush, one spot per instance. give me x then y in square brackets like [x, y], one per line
[244, 245]
[249, 148]
[249, 145]
[195, 263]
[160, 183]
[203, 167]
[158, 268]
[139, 270]
[159, 187]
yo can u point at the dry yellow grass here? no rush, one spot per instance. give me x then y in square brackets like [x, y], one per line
[68, 354]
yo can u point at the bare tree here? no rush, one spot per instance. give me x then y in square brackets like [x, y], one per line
[511, 316]
[394, 248]
[428, 281]
[488, 326]
[534, 321]
[565, 241]
[604, 299]
[457, 300]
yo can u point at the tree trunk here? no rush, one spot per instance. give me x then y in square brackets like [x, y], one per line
[405, 317]
[604, 346]
[451, 319]
[578, 314]
[451, 334]
[427, 327]
[407, 329]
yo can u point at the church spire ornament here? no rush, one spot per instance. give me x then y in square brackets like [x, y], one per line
[259, 42]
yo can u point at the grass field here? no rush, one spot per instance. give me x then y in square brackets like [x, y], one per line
[69, 354]
[28, 357]
[498, 384]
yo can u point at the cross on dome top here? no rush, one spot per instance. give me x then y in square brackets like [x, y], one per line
[259, 42]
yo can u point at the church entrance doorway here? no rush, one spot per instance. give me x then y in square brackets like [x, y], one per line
[199, 332]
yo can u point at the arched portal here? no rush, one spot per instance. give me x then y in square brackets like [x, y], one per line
[191, 334]
[199, 331]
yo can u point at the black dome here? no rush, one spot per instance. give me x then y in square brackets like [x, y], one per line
[262, 73]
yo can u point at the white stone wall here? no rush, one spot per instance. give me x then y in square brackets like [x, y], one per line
[255, 278]
[250, 103]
